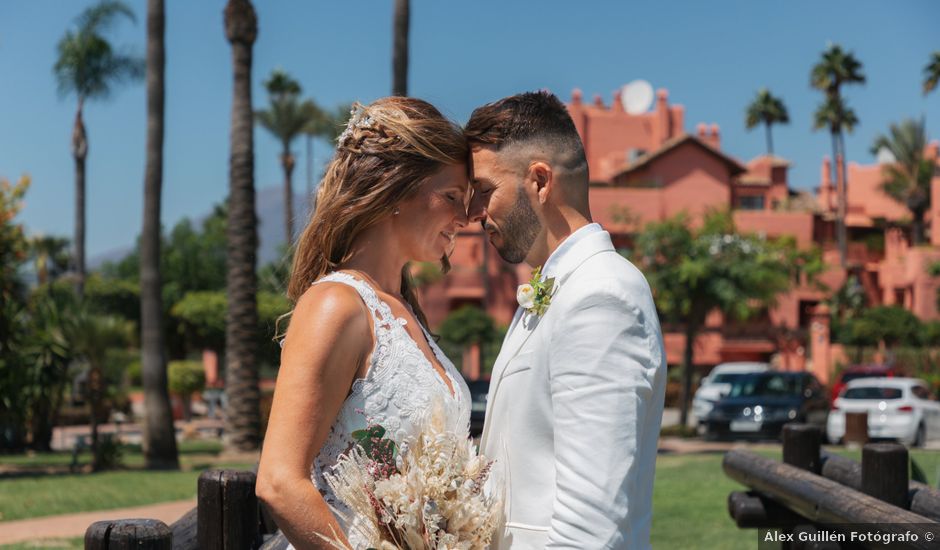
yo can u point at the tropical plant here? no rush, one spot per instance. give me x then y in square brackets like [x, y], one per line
[400, 47]
[907, 179]
[242, 415]
[159, 434]
[13, 254]
[768, 110]
[932, 73]
[47, 355]
[89, 67]
[286, 118]
[835, 68]
[92, 336]
[185, 379]
[886, 325]
[466, 326]
[50, 257]
[200, 320]
[694, 271]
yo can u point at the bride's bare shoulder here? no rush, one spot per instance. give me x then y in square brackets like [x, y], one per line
[330, 308]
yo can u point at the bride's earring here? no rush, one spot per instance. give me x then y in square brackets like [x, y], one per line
[396, 212]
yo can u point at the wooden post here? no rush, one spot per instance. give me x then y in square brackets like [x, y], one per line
[227, 511]
[127, 534]
[884, 473]
[801, 444]
[856, 428]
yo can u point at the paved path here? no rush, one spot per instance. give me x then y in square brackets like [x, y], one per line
[74, 525]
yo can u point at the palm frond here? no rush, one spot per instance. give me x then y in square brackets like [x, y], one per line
[835, 114]
[86, 64]
[766, 108]
[836, 67]
[932, 73]
[100, 17]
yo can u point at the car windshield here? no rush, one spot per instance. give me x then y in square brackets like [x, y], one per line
[728, 377]
[872, 393]
[849, 376]
[766, 384]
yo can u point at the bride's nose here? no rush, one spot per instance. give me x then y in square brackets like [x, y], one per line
[461, 218]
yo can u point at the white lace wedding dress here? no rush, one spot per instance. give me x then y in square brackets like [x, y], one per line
[397, 392]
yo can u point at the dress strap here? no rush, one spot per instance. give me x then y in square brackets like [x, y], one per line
[381, 314]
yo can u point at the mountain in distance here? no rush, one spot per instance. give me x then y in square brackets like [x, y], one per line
[269, 206]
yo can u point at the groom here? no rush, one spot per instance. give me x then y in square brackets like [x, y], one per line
[576, 395]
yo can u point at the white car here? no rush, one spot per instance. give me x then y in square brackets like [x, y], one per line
[718, 383]
[898, 408]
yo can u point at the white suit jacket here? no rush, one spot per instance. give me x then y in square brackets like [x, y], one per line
[575, 407]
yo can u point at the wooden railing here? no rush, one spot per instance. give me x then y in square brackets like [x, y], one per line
[227, 516]
[812, 490]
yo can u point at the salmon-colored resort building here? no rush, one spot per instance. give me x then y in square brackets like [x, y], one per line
[647, 167]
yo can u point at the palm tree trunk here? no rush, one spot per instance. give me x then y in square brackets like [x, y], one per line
[242, 415]
[840, 201]
[917, 226]
[287, 162]
[688, 369]
[94, 406]
[79, 152]
[770, 140]
[159, 434]
[845, 197]
[400, 48]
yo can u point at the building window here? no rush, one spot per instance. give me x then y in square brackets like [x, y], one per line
[751, 202]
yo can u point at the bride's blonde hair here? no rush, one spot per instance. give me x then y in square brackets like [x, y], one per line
[388, 149]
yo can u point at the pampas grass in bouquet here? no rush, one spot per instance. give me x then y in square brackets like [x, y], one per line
[427, 495]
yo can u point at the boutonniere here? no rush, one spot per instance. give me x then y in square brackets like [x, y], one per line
[536, 295]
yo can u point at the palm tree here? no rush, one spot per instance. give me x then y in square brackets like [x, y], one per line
[907, 180]
[51, 257]
[91, 337]
[932, 73]
[89, 67]
[242, 416]
[769, 110]
[400, 47]
[837, 67]
[159, 434]
[286, 118]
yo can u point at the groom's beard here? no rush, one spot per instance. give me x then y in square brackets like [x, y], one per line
[518, 231]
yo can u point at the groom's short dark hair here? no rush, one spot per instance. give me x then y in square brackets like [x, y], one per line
[530, 117]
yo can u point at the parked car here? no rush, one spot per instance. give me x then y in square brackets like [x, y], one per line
[479, 389]
[898, 408]
[760, 404]
[854, 372]
[718, 383]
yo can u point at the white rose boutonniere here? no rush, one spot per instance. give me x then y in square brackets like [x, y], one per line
[536, 295]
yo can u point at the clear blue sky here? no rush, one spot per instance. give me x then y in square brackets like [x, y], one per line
[712, 56]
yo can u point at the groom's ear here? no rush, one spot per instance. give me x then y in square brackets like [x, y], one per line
[542, 178]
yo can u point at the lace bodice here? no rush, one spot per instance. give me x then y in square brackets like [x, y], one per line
[397, 391]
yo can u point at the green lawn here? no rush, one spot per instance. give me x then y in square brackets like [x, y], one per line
[43, 494]
[690, 499]
[189, 451]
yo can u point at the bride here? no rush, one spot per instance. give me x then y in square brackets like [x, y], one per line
[358, 351]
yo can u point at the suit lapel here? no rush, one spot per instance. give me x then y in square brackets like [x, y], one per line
[523, 325]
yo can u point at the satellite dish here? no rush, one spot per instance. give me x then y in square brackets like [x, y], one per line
[885, 156]
[636, 97]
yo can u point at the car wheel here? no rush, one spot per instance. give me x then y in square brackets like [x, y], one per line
[920, 438]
